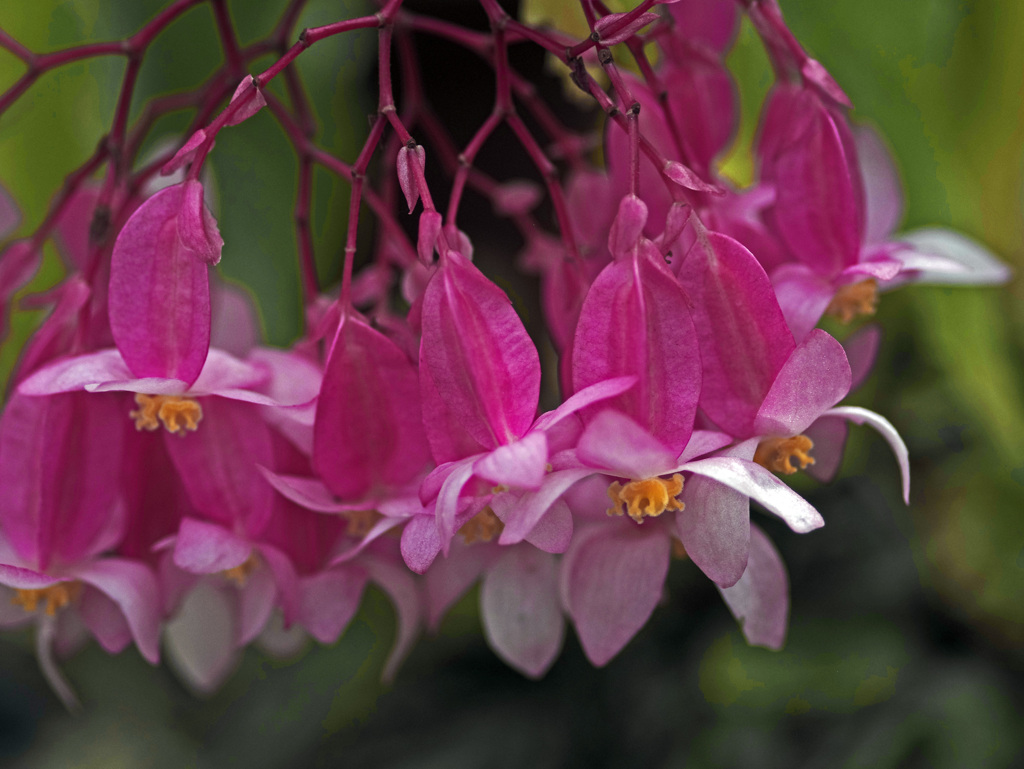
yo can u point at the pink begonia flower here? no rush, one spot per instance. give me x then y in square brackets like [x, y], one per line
[480, 384]
[60, 513]
[615, 569]
[837, 204]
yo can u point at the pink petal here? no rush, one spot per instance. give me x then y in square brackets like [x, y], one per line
[635, 322]
[448, 579]
[201, 639]
[105, 621]
[816, 377]
[883, 191]
[520, 464]
[196, 226]
[803, 296]
[255, 603]
[744, 340]
[159, 293]
[254, 100]
[396, 581]
[628, 226]
[426, 239]
[449, 440]
[760, 485]
[885, 428]
[521, 612]
[714, 527]
[69, 374]
[330, 600]
[522, 514]
[481, 359]
[829, 437]
[703, 442]
[448, 506]
[615, 443]
[132, 586]
[711, 22]
[421, 542]
[978, 266]
[553, 532]
[861, 350]
[517, 197]
[368, 432]
[603, 390]
[185, 154]
[21, 578]
[614, 575]
[760, 599]
[206, 548]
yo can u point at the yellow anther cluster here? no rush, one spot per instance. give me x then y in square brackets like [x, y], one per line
[240, 574]
[177, 414]
[777, 454]
[482, 527]
[360, 522]
[647, 498]
[55, 597]
[854, 300]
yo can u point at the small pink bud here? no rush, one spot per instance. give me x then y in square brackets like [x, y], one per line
[253, 100]
[430, 227]
[196, 226]
[628, 226]
[185, 154]
[627, 31]
[684, 177]
[408, 177]
[516, 197]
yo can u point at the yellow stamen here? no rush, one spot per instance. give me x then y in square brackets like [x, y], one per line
[240, 574]
[777, 454]
[177, 414]
[55, 596]
[361, 521]
[853, 300]
[482, 527]
[650, 497]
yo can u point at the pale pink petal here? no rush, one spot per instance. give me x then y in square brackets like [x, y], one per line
[877, 266]
[420, 542]
[330, 600]
[829, 437]
[816, 377]
[714, 527]
[309, 493]
[520, 464]
[448, 579]
[522, 514]
[201, 639]
[553, 532]
[398, 583]
[762, 486]
[206, 548]
[885, 428]
[613, 575]
[255, 602]
[286, 581]
[448, 507]
[521, 611]
[882, 187]
[615, 443]
[159, 294]
[226, 372]
[861, 350]
[69, 374]
[517, 197]
[803, 296]
[760, 599]
[607, 388]
[132, 586]
[977, 265]
[20, 578]
[235, 328]
[703, 442]
[104, 620]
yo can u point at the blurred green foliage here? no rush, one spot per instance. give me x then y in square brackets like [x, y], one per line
[905, 647]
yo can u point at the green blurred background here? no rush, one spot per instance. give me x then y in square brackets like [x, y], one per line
[907, 627]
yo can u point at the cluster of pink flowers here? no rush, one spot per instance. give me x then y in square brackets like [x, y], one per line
[169, 482]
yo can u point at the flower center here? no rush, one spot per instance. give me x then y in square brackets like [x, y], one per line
[361, 521]
[240, 574]
[777, 454]
[178, 414]
[854, 300]
[482, 527]
[650, 497]
[55, 597]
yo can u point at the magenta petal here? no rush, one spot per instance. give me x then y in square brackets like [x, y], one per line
[449, 440]
[615, 443]
[714, 527]
[607, 388]
[710, 22]
[816, 377]
[368, 433]
[760, 485]
[254, 100]
[218, 465]
[614, 575]
[197, 228]
[206, 548]
[861, 350]
[521, 612]
[398, 583]
[159, 293]
[20, 578]
[132, 586]
[330, 600]
[201, 640]
[885, 428]
[520, 464]
[744, 340]
[628, 226]
[760, 600]
[482, 362]
[635, 321]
